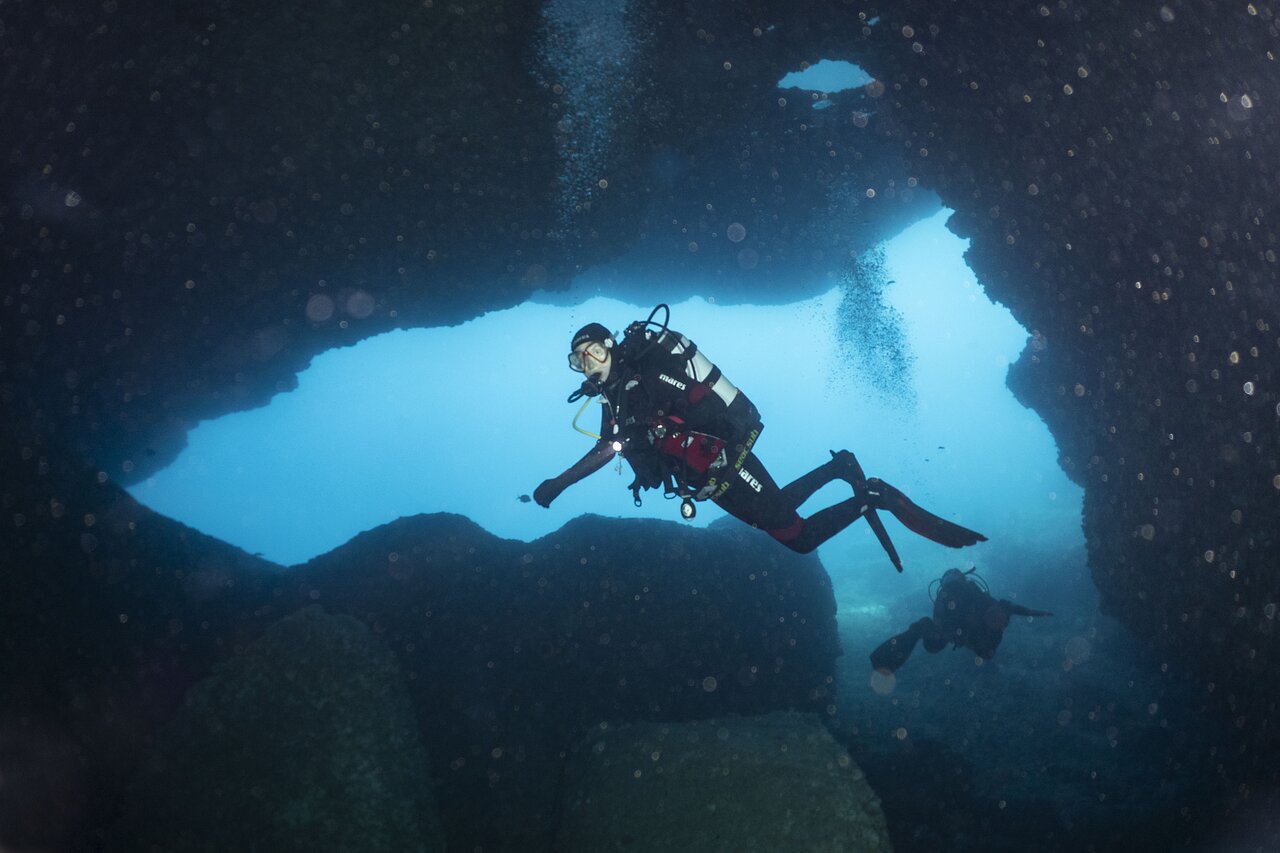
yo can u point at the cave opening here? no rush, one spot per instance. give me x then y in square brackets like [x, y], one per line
[470, 418]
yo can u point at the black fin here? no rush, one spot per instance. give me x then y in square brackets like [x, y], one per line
[921, 521]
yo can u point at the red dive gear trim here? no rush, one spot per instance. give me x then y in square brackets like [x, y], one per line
[791, 531]
[695, 450]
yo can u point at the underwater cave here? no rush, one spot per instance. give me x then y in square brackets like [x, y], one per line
[282, 353]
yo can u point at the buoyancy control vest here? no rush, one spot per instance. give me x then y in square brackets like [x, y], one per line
[678, 418]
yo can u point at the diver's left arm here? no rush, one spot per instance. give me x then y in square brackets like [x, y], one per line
[595, 459]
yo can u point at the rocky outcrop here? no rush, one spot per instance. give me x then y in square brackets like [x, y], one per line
[514, 649]
[1107, 162]
[736, 785]
[304, 741]
[509, 650]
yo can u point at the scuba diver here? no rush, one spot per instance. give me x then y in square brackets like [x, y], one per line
[964, 614]
[685, 428]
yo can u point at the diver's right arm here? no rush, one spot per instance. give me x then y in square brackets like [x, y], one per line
[596, 458]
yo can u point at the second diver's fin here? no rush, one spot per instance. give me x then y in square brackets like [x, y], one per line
[919, 520]
[893, 652]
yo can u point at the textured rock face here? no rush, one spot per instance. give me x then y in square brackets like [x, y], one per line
[510, 650]
[776, 782]
[305, 741]
[515, 649]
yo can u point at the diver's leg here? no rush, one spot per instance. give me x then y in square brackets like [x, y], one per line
[822, 525]
[802, 489]
[935, 639]
[753, 497]
[756, 499]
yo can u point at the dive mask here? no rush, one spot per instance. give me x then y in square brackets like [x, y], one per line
[591, 358]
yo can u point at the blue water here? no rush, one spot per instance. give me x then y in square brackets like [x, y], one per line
[827, 75]
[468, 418]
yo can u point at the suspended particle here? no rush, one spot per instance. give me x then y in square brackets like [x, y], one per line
[319, 308]
[360, 304]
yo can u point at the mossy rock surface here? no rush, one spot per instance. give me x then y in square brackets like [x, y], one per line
[736, 785]
[304, 741]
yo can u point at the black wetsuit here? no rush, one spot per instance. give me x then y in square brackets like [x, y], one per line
[667, 404]
[685, 428]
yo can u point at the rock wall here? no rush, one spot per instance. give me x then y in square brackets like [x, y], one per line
[111, 614]
[1109, 164]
